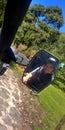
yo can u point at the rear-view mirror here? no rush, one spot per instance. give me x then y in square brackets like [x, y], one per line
[40, 71]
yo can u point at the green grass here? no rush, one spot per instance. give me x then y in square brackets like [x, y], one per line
[59, 84]
[15, 67]
[52, 100]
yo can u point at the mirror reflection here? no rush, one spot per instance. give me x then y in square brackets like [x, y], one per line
[43, 73]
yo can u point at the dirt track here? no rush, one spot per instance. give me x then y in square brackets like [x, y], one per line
[19, 108]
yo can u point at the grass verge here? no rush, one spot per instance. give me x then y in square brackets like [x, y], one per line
[52, 100]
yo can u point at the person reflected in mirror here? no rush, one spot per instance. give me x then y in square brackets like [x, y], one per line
[40, 76]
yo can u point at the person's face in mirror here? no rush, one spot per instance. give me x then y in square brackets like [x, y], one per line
[48, 68]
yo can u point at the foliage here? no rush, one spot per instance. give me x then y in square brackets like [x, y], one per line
[51, 15]
[30, 34]
[36, 29]
[2, 9]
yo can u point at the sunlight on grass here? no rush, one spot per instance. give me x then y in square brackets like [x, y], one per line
[53, 101]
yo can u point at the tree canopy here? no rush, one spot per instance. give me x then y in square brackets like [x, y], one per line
[40, 26]
[52, 15]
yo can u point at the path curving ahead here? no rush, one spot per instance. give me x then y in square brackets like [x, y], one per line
[10, 94]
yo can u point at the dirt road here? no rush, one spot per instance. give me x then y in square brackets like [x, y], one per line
[10, 117]
[19, 109]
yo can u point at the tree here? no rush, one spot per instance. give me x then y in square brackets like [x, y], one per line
[31, 34]
[36, 29]
[52, 15]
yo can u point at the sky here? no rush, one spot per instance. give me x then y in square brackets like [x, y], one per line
[59, 3]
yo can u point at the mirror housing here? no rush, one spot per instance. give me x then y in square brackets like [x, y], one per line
[40, 71]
